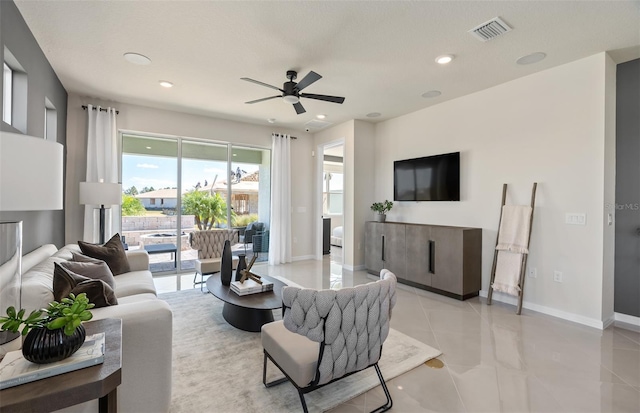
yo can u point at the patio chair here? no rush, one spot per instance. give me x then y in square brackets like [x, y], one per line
[252, 229]
[330, 334]
[210, 244]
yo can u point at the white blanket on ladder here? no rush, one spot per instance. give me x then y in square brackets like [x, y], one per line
[513, 234]
[507, 276]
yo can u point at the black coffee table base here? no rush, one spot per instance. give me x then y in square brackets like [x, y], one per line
[247, 319]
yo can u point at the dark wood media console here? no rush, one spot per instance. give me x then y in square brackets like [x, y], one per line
[442, 259]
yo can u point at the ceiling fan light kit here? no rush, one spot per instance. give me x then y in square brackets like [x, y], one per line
[291, 91]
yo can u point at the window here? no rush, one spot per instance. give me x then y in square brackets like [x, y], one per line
[14, 92]
[7, 87]
[152, 201]
[332, 194]
[50, 121]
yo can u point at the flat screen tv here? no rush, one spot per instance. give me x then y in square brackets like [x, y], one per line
[432, 178]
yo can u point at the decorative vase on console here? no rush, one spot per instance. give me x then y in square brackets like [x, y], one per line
[242, 265]
[226, 266]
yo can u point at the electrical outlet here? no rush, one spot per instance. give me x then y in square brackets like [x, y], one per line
[557, 276]
[533, 273]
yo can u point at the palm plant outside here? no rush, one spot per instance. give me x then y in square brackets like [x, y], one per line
[208, 209]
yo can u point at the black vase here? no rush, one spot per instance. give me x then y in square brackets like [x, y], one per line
[43, 346]
[226, 266]
[242, 264]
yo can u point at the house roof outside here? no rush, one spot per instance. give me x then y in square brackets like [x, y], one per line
[160, 193]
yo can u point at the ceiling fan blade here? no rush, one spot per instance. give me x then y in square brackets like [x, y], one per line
[261, 83]
[299, 108]
[310, 78]
[263, 99]
[334, 99]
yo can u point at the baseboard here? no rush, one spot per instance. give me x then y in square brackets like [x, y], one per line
[353, 267]
[303, 258]
[576, 318]
[627, 319]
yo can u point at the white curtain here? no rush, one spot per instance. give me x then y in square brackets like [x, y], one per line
[102, 163]
[280, 231]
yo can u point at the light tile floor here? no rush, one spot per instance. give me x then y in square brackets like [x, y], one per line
[494, 359]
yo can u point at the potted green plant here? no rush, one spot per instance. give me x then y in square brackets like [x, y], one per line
[53, 333]
[382, 208]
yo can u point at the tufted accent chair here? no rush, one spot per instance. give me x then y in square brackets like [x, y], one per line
[210, 244]
[327, 335]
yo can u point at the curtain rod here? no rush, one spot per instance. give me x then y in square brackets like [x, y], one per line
[101, 109]
[280, 134]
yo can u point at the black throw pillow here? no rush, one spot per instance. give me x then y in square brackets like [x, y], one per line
[112, 252]
[66, 282]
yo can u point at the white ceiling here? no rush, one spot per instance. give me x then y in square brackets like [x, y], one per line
[379, 55]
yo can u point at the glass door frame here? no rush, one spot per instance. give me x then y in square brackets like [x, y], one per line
[178, 272]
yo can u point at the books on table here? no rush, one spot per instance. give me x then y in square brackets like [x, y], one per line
[16, 370]
[249, 286]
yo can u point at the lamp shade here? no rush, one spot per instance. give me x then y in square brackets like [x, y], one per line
[31, 171]
[100, 193]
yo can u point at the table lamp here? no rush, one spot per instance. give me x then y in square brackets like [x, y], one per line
[100, 193]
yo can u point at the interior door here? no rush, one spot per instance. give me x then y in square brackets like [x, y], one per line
[627, 255]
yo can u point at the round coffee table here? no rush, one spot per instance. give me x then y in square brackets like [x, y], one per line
[247, 312]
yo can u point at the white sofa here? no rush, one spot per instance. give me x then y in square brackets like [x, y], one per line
[147, 330]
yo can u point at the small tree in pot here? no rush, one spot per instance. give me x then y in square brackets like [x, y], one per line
[382, 208]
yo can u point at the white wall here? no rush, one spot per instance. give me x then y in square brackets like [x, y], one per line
[549, 128]
[150, 120]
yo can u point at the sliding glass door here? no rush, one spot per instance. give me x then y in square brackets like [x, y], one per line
[166, 182]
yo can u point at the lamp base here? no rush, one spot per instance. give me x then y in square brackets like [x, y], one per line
[101, 225]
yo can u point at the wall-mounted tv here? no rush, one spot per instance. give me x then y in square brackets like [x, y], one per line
[432, 178]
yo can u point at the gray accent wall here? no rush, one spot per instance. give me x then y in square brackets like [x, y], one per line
[39, 227]
[627, 256]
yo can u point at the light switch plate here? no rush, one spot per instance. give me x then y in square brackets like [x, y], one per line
[573, 218]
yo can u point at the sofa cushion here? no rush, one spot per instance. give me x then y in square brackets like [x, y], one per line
[134, 282]
[66, 282]
[92, 268]
[112, 252]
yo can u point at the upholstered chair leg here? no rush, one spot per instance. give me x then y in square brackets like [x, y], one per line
[389, 402]
[264, 374]
[304, 403]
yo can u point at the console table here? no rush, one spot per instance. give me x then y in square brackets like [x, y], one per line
[79, 386]
[442, 259]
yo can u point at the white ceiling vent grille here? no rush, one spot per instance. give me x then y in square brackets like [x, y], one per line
[314, 125]
[491, 29]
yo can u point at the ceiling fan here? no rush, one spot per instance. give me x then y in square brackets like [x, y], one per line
[291, 91]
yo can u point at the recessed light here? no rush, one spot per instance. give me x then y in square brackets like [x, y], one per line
[431, 94]
[444, 59]
[165, 83]
[321, 116]
[271, 120]
[373, 114]
[136, 58]
[235, 154]
[531, 58]
[148, 147]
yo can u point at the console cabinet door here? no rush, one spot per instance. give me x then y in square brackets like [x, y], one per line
[394, 249]
[447, 254]
[417, 262]
[374, 232]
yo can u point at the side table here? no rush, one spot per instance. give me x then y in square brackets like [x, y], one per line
[68, 389]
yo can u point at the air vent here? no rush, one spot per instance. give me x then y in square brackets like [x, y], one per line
[491, 29]
[314, 125]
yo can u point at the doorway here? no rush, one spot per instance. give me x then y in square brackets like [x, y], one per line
[168, 181]
[331, 195]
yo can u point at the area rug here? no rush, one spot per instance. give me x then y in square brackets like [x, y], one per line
[217, 367]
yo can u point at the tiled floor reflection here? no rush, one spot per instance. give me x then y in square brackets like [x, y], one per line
[494, 360]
